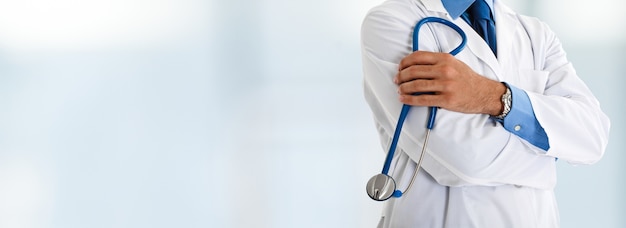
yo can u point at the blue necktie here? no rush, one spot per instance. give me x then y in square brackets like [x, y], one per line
[478, 15]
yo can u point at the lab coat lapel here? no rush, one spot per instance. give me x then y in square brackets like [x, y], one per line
[506, 31]
[475, 43]
[480, 48]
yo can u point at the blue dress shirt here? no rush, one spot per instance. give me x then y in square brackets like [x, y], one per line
[521, 120]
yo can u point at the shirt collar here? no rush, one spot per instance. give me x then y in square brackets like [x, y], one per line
[456, 7]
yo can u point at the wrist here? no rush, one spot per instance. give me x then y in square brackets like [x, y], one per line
[505, 103]
[493, 104]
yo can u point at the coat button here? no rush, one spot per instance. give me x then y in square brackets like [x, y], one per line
[518, 127]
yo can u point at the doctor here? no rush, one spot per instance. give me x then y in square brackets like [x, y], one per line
[511, 103]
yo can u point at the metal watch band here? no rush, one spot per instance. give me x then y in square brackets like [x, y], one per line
[506, 102]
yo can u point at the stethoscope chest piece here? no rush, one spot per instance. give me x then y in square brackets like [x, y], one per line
[381, 187]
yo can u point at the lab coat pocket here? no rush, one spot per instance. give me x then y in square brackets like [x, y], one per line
[533, 80]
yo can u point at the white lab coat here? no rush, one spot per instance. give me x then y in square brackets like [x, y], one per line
[477, 173]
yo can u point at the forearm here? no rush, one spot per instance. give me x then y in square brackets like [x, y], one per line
[464, 149]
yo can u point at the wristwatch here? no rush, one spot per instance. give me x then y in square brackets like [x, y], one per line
[506, 102]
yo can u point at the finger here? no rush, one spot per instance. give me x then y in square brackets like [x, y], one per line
[417, 58]
[421, 100]
[421, 58]
[413, 73]
[420, 86]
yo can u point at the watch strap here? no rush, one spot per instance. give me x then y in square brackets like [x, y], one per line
[506, 103]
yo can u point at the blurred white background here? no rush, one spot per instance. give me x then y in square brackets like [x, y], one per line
[240, 113]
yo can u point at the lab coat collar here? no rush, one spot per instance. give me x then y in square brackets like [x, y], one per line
[435, 6]
[456, 7]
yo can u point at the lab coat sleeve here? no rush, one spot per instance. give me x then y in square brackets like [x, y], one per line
[577, 128]
[523, 114]
[381, 53]
[464, 149]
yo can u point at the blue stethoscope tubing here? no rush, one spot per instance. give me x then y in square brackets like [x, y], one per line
[432, 110]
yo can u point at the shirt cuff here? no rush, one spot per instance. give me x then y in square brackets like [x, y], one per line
[521, 120]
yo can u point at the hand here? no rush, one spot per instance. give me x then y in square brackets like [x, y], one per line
[455, 86]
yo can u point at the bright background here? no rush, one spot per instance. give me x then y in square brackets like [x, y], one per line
[239, 113]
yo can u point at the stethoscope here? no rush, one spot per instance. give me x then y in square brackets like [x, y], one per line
[382, 186]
